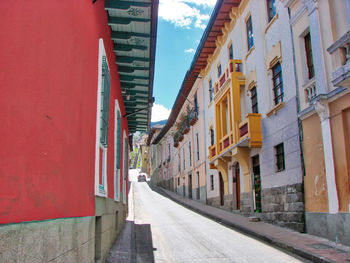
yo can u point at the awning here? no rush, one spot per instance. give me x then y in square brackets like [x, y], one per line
[134, 31]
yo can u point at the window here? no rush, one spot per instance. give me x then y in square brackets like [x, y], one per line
[196, 107]
[277, 83]
[230, 52]
[227, 114]
[189, 153]
[309, 60]
[210, 90]
[212, 182]
[125, 168]
[183, 158]
[168, 152]
[250, 36]
[279, 153]
[197, 188]
[117, 147]
[219, 70]
[254, 99]
[212, 137]
[179, 162]
[105, 94]
[178, 181]
[271, 9]
[197, 139]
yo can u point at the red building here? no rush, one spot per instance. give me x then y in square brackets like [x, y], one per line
[71, 73]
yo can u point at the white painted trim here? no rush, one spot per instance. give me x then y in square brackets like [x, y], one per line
[101, 53]
[125, 167]
[333, 204]
[116, 173]
[323, 111]
[297, 15]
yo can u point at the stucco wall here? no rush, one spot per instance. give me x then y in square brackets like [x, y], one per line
[315, 184]
[49, 66]
[340, 126]
[68, 240]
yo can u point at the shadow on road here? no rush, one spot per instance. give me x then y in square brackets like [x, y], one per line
[134, 244]
[144, 244]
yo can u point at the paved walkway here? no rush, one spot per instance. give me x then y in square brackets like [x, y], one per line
[307, 246]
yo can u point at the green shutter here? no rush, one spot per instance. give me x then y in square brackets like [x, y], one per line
[105, 95]
[119, 139]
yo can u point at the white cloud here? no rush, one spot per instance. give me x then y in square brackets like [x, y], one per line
[159, 112]
[190, 50]
[205, 3]
[182, 13]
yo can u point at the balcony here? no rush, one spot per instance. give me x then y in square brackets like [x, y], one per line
[226, 142]
[340, 50]
[247, 134]
[234, 67]
[250, 130]
[212, 151]
[310, 90]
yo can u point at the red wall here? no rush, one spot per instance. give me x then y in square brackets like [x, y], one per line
[48, 73]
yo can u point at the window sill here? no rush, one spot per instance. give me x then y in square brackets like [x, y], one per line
[271, 22]
[249, 52]
[275, 109]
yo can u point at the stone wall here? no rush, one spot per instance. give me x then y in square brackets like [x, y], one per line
[68, 240]
[167, 184]
[335, 227]
[246, 203]
[203, 194]
[112, 217]
[228, 200]
[284, 206]
[214, 201]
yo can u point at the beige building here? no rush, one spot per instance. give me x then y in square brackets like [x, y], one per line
[321, 41]
[182, 148]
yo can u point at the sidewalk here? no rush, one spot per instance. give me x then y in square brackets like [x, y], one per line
[307, 246]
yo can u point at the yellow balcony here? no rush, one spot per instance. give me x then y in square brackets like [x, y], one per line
[250, 129]
[247, 134]
[226, 142]
[234, 67]
[212, 151]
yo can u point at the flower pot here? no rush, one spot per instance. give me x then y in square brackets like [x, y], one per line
[186, 130]
[193, 121]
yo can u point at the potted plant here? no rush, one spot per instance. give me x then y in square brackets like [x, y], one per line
[176, 139]
[193, 117]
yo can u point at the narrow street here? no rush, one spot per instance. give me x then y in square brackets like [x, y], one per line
[180, 235]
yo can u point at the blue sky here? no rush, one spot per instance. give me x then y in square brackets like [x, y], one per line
[180, 27]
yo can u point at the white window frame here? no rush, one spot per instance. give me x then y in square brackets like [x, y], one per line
[100, 189]
[125, 165]
[116, 170]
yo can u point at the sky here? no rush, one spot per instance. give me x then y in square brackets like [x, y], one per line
[181, 24]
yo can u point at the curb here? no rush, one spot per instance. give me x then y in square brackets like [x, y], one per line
[268, 239]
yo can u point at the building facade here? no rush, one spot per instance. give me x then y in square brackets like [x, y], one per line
[256, 137]
[321, 49]
[64, 160]
[275, 81]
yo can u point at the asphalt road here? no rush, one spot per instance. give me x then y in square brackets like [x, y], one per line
[168, 232]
